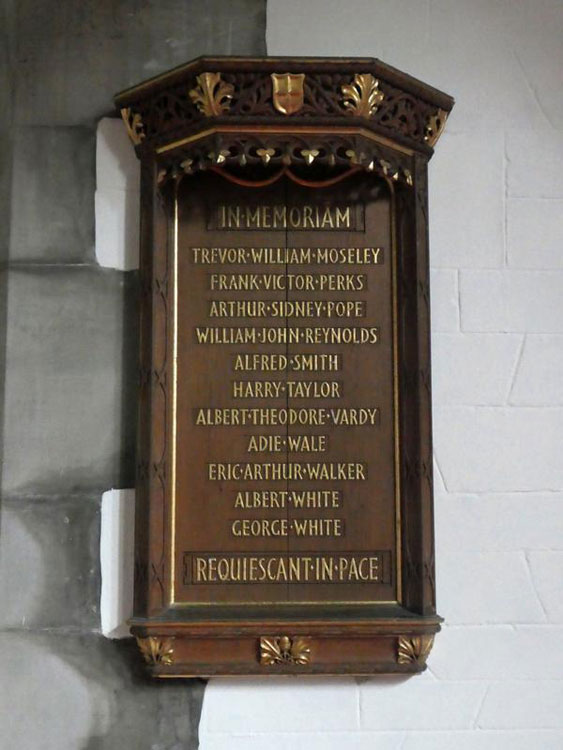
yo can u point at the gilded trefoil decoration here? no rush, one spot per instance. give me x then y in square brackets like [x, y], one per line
[219, 157]
[284, 650]
[265, 154]
[212, 96]
[310, 154]
[362, 97]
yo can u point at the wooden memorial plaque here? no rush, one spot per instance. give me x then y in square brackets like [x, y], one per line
[284, 496]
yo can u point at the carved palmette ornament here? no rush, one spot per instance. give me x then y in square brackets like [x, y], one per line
[414, 650]
[362, 97]
[284, 650]
[212, 96]
[434, 126]
[157, 651]
[288, 92]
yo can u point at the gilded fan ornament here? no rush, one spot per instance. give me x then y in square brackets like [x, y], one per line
[414, 650]
[157, 651]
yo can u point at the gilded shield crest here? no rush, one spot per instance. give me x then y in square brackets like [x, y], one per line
[288, 92]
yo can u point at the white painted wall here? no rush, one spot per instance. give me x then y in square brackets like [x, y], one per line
[117, 202]
[117, 561]
[117, 207]
[495, 675]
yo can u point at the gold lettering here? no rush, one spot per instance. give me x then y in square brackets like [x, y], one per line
[287, 471]
[279, 219]
[281, 499]
[282, 568]
[284, 217]
[343, 217]
[260, 527]
[314, 389]
[258, 389]
[289, 443]
[308, 217]
[327, 219]
[281, 527]
[283, 363]
[252, 217]
[285, 255]
[283, 335]
[201, 569]
[318, 527]
[233, 217]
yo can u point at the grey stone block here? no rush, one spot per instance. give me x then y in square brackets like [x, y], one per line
[70, 387]
[49, 563]
[89, 694]
[7, 39]
[53, 195]
[5, 185]
[73, 57]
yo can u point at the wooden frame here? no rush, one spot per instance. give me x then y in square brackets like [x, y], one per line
[352, 118]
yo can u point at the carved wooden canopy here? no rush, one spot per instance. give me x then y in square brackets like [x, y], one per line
[260, 118]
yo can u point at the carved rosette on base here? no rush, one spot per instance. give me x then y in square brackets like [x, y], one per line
[334, 129]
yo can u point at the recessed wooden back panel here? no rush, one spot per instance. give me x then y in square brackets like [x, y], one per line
[285, 460]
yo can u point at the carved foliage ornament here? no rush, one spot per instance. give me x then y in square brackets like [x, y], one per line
[284, 650]
[212, 96]
[134, 125]
[157, 651]
[414, 650]
[362, 97]
[434, 126]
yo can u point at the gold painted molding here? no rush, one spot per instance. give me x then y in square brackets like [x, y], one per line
[414, 650]
[284, 650]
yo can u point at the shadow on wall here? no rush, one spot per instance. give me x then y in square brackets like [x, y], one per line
[143, 713]
[6, 110]
[89, 692]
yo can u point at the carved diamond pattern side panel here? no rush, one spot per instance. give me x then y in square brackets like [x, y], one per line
[425, 476]
[159, 399]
